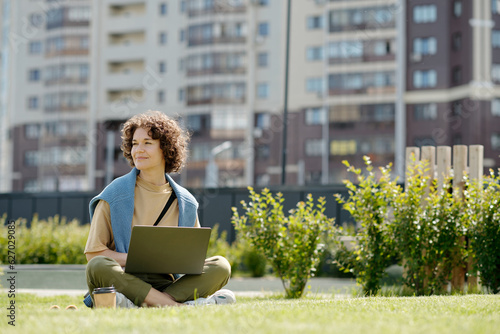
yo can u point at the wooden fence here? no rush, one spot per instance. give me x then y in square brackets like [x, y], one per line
[441, 166]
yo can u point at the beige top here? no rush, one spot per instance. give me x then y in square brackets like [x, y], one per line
[149, 201]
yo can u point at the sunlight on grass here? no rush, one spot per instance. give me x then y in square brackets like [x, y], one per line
[440, 314]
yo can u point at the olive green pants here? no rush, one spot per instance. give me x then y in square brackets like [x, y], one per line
[103, 271]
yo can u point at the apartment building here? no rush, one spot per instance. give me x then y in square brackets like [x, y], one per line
[452, 93]
[211, 64]
[366, 77]
[342, 92]
[45, 94]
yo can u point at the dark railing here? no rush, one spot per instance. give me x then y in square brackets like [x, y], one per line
[215, 204]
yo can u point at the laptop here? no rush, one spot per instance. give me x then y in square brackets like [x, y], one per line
[167, 250]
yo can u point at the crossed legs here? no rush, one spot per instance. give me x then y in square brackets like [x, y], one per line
[156, 289]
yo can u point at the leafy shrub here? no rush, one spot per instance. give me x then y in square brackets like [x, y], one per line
[291, 244]
[51, 241]
[337, 253]
[240, 254]
[426, 227]
[484, 215]
[368, 203]
[218, 245]
[254, 262]
[428, 231]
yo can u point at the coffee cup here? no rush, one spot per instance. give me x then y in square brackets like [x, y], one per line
[105, 297]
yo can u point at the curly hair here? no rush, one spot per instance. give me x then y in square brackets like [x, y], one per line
[173, 139]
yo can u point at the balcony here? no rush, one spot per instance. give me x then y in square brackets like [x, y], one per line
[124, 24]
[123, 81]
[219, 7]
[198, 40]
[122, 52]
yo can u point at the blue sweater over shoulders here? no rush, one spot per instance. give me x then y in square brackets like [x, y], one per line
[120, 196]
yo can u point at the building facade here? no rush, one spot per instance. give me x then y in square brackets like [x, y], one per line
[365, 77]
[452, 95]
[46, 93]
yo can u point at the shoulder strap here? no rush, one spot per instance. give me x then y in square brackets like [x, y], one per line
[171, 199]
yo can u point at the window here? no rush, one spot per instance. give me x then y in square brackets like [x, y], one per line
[193, 122]
[362, 18]
[32, 131]
[315, 116]
[162, 38]
[456, 108]
[424, 79]
[35, 47]
[182, 35]
[343, 147]
[495, 38]
[162, 67]
[345, 49]
[262, 152]
[31, 185]
[423, 112]
[314, 147]
[31, 158]
[33, 102]
[161, 96]
[263, 2]
[456, 75]
[424, 14]
[183, 6]
[263, 29]
[360, 81]
[382, 48]
[262, 120]
[78, 14]
[181, 95]
[226, 120]
[456, 40]
[424, 141]
[494, 6]
[262, 90]
[425, 46]
[84, 43]
[495, 72]
[495, 107]
[34, 75]
[262, 59]
[315, 22]
[163, 9]
[314, 85]
[314, 53]
[457, 8]
[495, 141]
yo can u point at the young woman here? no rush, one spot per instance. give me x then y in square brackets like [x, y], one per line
[154, 145]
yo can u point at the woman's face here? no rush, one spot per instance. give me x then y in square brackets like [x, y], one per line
[146, 152]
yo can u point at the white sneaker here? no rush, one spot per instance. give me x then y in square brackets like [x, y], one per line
[221, 297]
[124, 302]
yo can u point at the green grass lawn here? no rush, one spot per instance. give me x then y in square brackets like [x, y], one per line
[444, 314]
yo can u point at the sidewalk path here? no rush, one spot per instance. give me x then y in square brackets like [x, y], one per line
[50, 280]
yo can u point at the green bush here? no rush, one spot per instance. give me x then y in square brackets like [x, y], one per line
[51, 241]
[484, 216]
[428, 231]
[368, 203]
[434, 232]
[241, 255]
[254, 262]
[333, 257]
[291, 244]
[218, 245]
